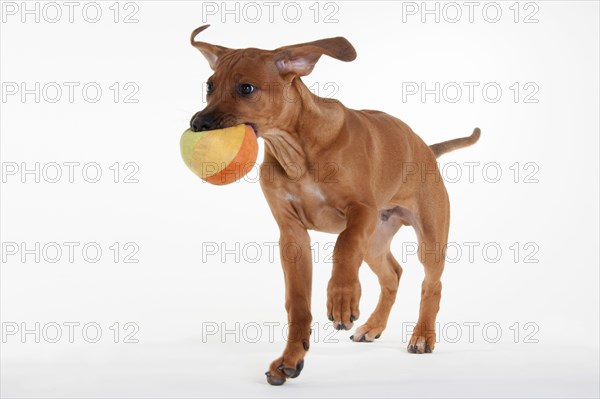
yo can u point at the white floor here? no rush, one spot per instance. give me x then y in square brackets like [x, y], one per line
[344, 369]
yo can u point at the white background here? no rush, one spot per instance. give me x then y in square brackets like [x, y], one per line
[171, 293]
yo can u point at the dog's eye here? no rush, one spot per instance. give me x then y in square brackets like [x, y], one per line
[246, 89]
[209, 87]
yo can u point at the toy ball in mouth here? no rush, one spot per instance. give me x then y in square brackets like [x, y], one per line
[220, 156]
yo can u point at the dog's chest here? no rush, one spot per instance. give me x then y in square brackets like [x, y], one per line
[314, 208]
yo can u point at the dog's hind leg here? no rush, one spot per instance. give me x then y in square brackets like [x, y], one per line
[388, 271]
[432, 232]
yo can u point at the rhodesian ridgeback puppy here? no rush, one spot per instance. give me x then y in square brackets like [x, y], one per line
[360, 174]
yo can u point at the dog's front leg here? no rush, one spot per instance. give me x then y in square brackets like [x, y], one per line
[294, 246]
[343, 291]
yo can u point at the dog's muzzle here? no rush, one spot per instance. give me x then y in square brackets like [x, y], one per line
[200, 123]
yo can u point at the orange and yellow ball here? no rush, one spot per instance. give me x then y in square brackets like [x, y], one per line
[220, 156]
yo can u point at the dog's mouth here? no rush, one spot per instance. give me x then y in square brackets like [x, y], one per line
[253, 126]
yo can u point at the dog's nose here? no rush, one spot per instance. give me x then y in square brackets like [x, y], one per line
[201, 123]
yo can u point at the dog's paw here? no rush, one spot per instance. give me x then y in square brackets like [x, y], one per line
[421, 343]
[282, 369]
[342, 303]
[367, 333]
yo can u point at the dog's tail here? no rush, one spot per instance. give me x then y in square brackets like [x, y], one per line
[451, 145]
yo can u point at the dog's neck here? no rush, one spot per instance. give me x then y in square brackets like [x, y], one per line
[313, 121]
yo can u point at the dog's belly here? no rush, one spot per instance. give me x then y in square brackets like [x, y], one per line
[316, 211]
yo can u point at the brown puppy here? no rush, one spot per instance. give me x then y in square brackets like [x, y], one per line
[362, 174]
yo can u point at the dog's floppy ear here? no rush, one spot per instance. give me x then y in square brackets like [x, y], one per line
[211, 52]
[300, 59]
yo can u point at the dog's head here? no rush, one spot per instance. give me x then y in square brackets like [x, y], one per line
[254, 86]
